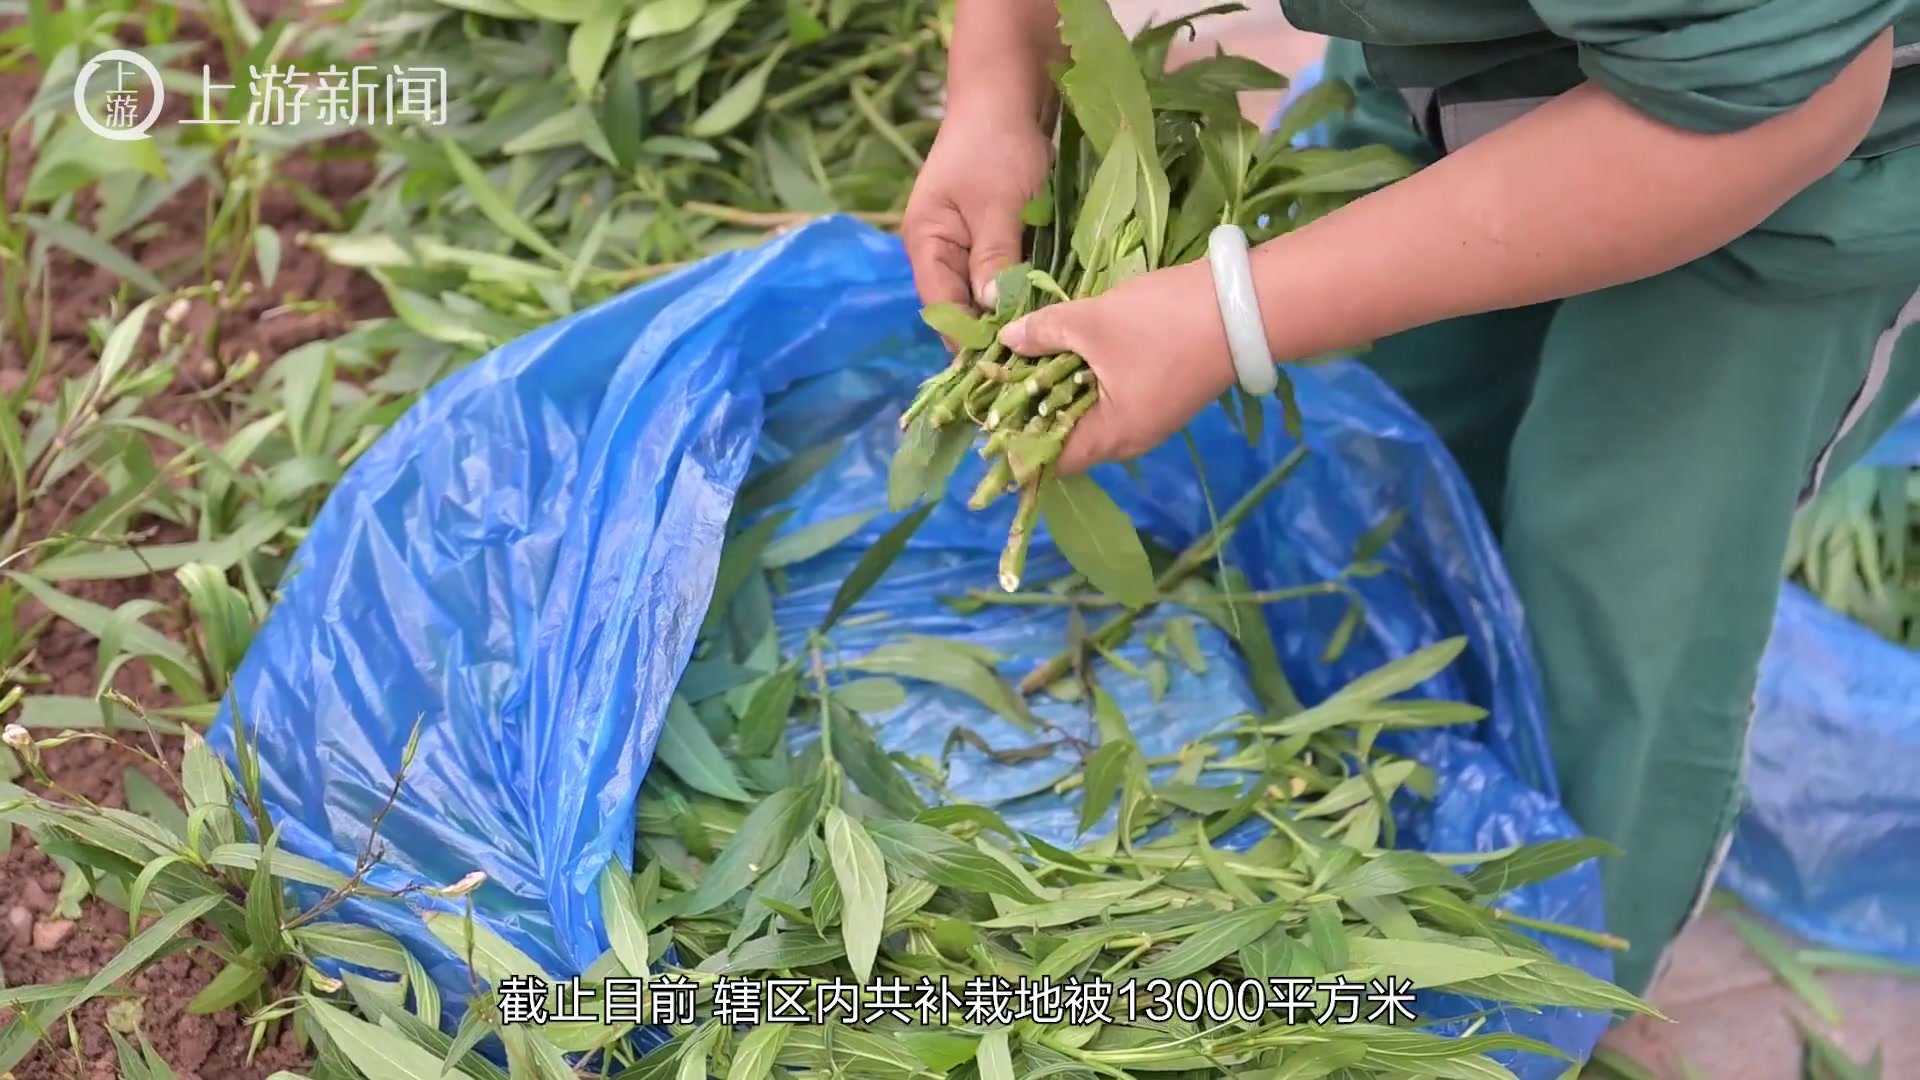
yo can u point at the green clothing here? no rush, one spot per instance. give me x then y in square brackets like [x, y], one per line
[1710, 67]
[1641, 451]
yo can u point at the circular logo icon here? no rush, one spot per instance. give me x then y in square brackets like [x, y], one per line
[122, 70]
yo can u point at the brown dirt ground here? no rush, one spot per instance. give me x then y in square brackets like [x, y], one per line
[37, 946]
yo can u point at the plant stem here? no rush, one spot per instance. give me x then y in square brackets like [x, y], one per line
[1198, 554]
[1572, 933]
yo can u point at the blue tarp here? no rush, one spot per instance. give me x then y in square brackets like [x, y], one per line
[1829, 841]
[521, 564]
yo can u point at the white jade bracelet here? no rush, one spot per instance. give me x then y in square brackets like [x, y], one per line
[1240, 310]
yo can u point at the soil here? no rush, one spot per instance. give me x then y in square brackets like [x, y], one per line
[37, 945]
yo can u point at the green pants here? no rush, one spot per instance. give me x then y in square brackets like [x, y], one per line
[1640, 452]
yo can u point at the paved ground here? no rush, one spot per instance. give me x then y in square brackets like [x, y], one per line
[1731, 1019]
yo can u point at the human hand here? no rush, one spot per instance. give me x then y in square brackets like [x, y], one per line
[1158, 352]
[962, 222]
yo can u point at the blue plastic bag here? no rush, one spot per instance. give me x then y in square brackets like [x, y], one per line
[1828, 843]
[520, 565]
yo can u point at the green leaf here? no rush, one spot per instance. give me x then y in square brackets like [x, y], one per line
[146, 797]
[871, 695]
[738, 102]
[760, 842]
[1535, 863]
[994, 1058]
[1106, 772]
[1430, 963]
[135, 561]
[1108, 204]
[925, 461]
[1375, 540]
[1108, 94]
[379, 1053]
[946, 664]
[488, 200]
[360, 946]
[1542, 983]
[783, 951]
[1391, 873]
[90, 248]
[1315, 105]
[1216, 940]
[873, 564]
[235, 983]
[1326, 935]
[659, 18]
[958, 325]
[1340, 172]
[778, 483]
[591, 43]
[764, 723]
[1098, 538]
[625, 931]
[755, 1056]
[686, 747]
[491, 956]
[936, 856]
[803, 544]
[862, 876]
[1786, 966]
[1186, 645]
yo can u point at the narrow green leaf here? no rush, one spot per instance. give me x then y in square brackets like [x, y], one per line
[1535, 863]
[738, 102]
[591, 43]
[873, 564]
[625, 932]
[1218, 939]
[994, 1058]
[488, 200]
[688, 749]
[379, 1053]
[958, 325]
[754, 1058]
[862, 876]
[803, 544]
[235, 983]
[1098, 538]
[1786, 967]
[1430, 963]
[946, 664]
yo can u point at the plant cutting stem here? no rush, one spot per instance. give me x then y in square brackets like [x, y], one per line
[839, 73]
[1198, 554]
[1101, 600]
[760, 219]
[1572, 933]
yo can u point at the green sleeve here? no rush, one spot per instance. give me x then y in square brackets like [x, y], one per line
[1716, 66]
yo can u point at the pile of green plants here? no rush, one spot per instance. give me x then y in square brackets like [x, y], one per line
[1856, 545]
[593, 144]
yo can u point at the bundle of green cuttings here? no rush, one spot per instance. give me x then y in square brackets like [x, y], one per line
[1856, 546]
[779, 840]
[1147, 163]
